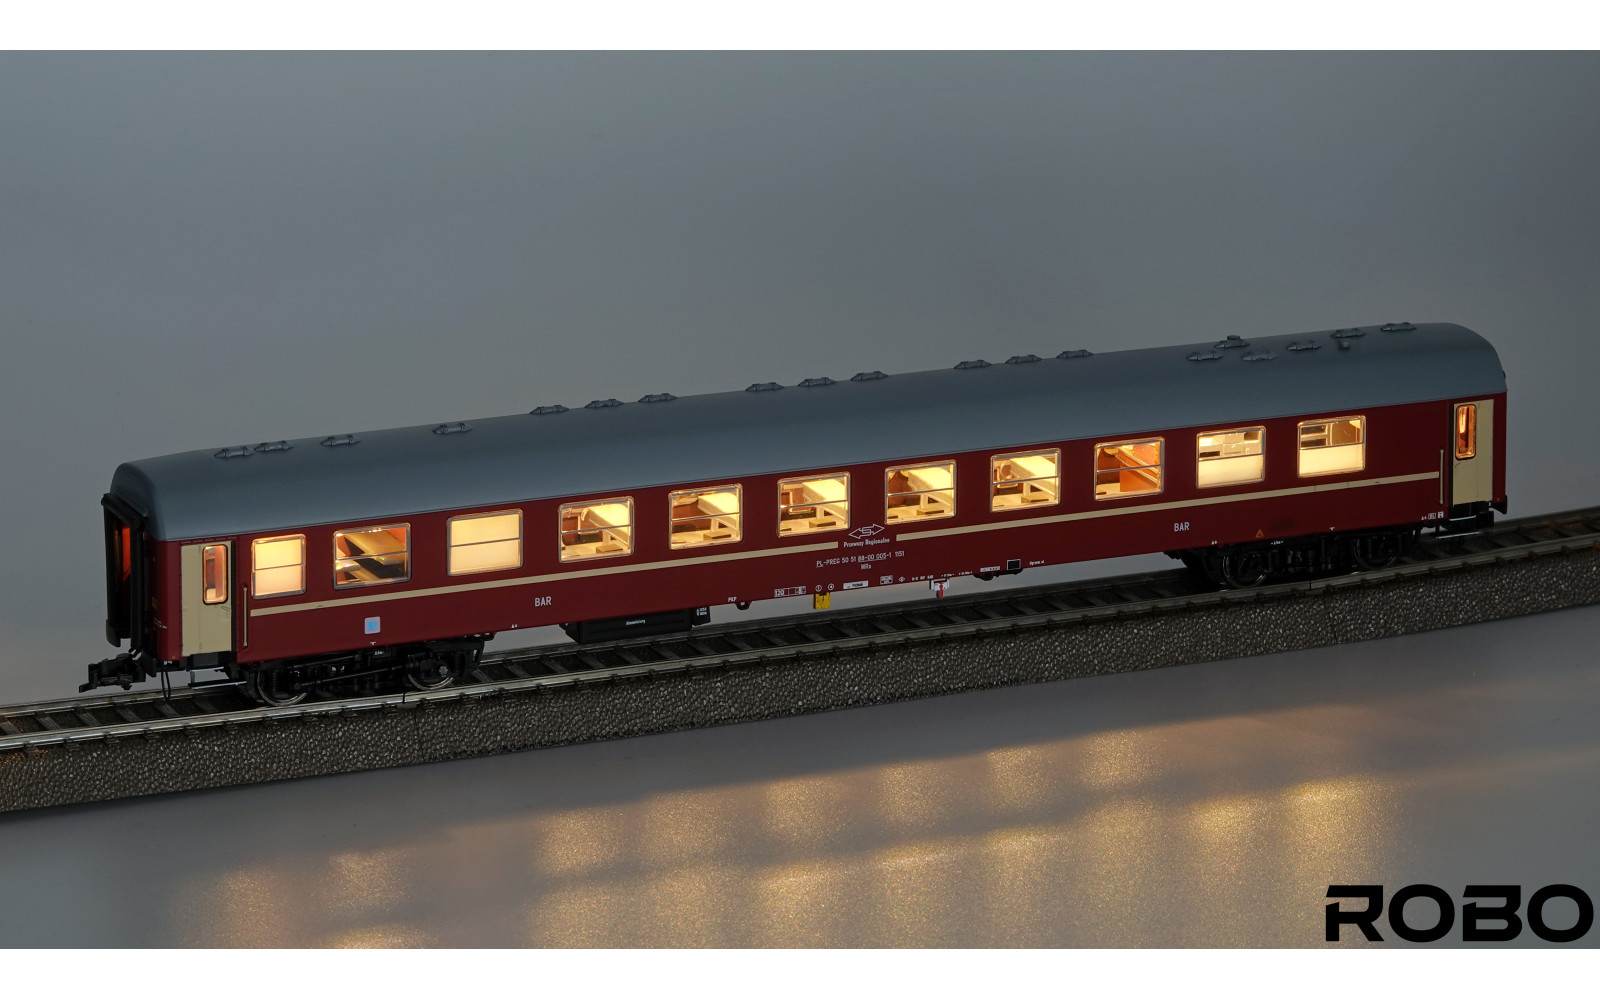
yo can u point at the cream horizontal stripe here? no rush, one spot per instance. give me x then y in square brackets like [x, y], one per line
[1171, 505]
[524, 581]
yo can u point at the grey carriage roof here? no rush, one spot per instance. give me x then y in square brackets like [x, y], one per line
[730, 435]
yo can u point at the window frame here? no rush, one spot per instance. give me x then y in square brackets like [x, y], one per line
[632, 526]
[915, 518]
[994, 484]
[450, 547]
[255, 570]
[1198, 460]
[1301, 449]
[1470, 431]
[806, 478]
[737, 489]
[227, 577]
[1160, 466]
[367, 529]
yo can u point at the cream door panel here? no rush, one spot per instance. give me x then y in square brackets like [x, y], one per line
[207, 628]
[1472, 479]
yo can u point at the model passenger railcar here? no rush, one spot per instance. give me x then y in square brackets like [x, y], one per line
[292, 564]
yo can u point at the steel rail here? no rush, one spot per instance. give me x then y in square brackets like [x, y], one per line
[734, 645]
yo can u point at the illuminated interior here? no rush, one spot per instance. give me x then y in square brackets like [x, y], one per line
[1332, 446]
[278, 566]
[1026, 479]
[920, 491]
[1127, 468]
[1223, 458]
[1466, 430]
[821, 504]
[214, 573]
[597, 530]
[483, 543]
[705, 517]
[368, 556]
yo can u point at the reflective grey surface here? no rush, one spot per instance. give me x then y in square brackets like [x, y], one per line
[204, 250]
[1203, 805]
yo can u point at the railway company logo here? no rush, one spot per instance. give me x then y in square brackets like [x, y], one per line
[867, 534]
[868, 530]
[1496, 919]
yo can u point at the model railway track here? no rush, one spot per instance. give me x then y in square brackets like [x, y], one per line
[40, 725]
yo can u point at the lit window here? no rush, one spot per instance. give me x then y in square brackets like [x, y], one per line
[278, 566]
[363, 557]
[705, 517]
[921, 491]
[1127, 468]
[1331, 446]
[1026, 479]
[214, 573]
[597, 530]
[821, 504]
[483, 543]
[1466, 430]
[1223, 458]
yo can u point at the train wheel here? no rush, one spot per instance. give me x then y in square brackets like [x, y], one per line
[1245, 569]
[432, 673]
[1376, 551]
[274, 686]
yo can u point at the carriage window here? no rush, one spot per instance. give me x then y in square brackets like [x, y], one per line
[1223, 458]
[821, 504]
[278, 566]
[1026, 479]
[705, 517]
[482, 543]
[214, 573]
[1466, 430]
[364, 557]
[596, 530]
[1332, 446]
[920, 491]
[1127, 468]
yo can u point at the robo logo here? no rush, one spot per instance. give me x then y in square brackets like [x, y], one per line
[1479, 922]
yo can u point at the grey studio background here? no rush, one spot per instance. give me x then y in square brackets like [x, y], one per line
[205, 250]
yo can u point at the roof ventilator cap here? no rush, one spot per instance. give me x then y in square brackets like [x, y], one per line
[871, 376]
[763, 387]
[1229, 343]
[453, 427]
[976, 363]
[1069, 355]
[1397, 327]
[339, 440]
[602, 404]
[657, 397]
[545, 411]
[816, 383]
[237, 451]
[266, 446]
[1353, 331]
[1261, 355]
[1303, 345]
[1022, 359]
[1205, 356]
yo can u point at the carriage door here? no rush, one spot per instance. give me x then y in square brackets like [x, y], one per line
[207, 598]
[1472, 437]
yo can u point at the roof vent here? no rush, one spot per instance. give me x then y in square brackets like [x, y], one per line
[1303, 345]
[602, 404]
[1262, 355]
[1229, 343]
[1022, 359]
[658, 397]
[1069, 355]
[453, 427]
[237, 451]
[1205, 356]
[871, 376]
[816, 383]
[977, 363]
[1397, 327]
[763, 387]
[545, 411]
[339, 440]
[266, 446]
[1351, 332]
